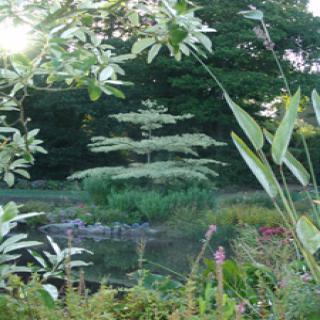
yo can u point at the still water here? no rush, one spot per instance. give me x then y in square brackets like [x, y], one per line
[113, 260]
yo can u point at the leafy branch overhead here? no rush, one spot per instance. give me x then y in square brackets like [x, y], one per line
[69, 50]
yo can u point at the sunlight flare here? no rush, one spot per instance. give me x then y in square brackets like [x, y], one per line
[13, 38]
[314, 7]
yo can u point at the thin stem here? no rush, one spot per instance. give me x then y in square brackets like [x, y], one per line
[286, 188]
[314, 208]
[313, 176]
[167, 269]
[220, 85]
[276, 58]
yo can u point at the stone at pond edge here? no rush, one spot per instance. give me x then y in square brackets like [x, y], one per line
[118, 231]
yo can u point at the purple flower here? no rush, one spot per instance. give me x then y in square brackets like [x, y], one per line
[211, 230]
[220, 256]
[69, 233]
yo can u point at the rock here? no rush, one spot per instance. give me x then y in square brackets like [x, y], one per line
[57, 228]
[145, 225]
[117, 231]
[37, 184]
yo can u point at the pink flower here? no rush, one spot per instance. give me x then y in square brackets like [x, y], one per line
[306, 277]
[282, 284]
[220, 256]
[211, 230]
[241, 308]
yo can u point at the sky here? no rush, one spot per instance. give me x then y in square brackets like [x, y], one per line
[314, 6]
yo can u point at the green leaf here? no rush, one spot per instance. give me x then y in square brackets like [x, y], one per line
[181, 6]
[23, 173]
[21, 245]
[308, 234]
[284, 132]
[52, 290]
[142, 44]
[37, 256]
[177, 35]
[10, 211]
[247, 124]
[46, 298]
[252, 14]
[113, 91]
[316, 104]
[260, 170]
[13, 239]
[9, 178]
[295, 166]
[153, 52]
[134, 19]
[94, 91]
[8, 74]
[69, 33]
[106, 73]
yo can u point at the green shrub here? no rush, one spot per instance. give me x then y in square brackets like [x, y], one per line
[247, 198]
[99, 188]
[36, 206]
[156, 206]
[247, 214]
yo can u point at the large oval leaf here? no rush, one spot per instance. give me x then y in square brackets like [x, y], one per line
[284, 132]
[308, 234]
[252, 14]
[295, 166]
[316, 104]
[142, 44]
[258, 168]
[247, 124]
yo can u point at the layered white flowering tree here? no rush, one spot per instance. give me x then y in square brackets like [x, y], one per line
[180, 152]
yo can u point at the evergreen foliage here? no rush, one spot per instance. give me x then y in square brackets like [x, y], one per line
[149, 119]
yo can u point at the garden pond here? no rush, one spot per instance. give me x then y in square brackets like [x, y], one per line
[114, 259]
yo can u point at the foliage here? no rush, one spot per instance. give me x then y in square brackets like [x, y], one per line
[155, 206]
[239, 214]
[152, 118]
[9, 244]
[54, 265]
[69, 53]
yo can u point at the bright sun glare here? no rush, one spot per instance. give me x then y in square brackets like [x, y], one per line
[314, 7]
[13, 39]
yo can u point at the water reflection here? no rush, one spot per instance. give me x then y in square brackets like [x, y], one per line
[114, 259]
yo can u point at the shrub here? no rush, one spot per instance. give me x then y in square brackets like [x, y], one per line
[36, 206]
[247, 214]
[98, 188]
[247, 198]
[156, 206]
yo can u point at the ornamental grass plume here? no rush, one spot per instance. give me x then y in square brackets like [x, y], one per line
[219, 257]
[211, 230]
[191, 283]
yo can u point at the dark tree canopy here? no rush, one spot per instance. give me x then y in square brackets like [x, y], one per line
[240, 60]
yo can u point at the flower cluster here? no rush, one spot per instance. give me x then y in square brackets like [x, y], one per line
[268, 232]
[219, 256]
